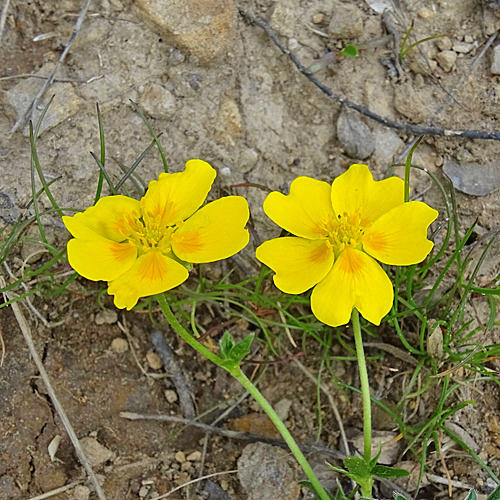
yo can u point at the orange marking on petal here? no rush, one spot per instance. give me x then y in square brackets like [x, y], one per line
[377, 241]
[188, 242]
[121, 251]
[351, 264]
[320, 254]
[153, 268]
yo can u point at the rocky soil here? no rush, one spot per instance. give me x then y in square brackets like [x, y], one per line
[217, 88]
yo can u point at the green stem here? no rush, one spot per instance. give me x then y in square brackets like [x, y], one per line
[250, 387]
[365, 391]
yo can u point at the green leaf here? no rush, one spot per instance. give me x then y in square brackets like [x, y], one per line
[494, 496]
[472, 495]
[398, 496]
[349, 51]
[385, 472]
[374, 460]
[233, 353]
[358, 466]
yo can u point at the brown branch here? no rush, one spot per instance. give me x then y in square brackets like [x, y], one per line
[410, 128]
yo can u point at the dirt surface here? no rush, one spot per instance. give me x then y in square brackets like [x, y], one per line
[217, 88]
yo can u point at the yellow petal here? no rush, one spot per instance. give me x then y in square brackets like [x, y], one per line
[106, 218]
[355, 192]
[215, 232]
[100, 259]
[305, 211]
[355, 281]
[399, 237]
[175, 197]
[299, 264]
[152, 273]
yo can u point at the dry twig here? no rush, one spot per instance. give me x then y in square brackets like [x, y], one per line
[3, 16]
[410, 128]
[314, 448]
[29, 112]
[173, 368]
[26, 331]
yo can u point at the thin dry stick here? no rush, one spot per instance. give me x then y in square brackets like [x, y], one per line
[313, 448]
[29, 112]
[443, 463]
[328, 394]
[287, 330]
[52, 493]
[3, 17]
[410, 128]
[176, 374]
[25, 329]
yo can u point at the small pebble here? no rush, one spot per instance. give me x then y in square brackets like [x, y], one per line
[180, 457]
[318, 18]
[119, 345]
[194, 457]
[444, 43]
[425, 13]
[468, 39]
[81, 493]
[171, 396]
[446, 60]
[143, 491]
[154, 361]
[108, 317]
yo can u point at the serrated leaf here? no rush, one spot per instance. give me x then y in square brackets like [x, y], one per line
[233, 353]
[494, 496]
[358, 466]
[385, 472]
[226, 344]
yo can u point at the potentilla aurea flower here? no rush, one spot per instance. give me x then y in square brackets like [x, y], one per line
[341, 231]
[146, 247]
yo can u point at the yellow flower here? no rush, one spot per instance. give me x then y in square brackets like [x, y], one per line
[340, 230]
[143, 247]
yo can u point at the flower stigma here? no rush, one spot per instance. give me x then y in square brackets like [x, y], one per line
[148, 233]
[344, 231]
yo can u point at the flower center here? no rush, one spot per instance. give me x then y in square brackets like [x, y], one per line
[148, 233]
[344, 231]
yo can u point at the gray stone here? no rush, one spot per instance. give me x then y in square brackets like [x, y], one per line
[157, 101]
[346, 22]
[495, 64]
[387, 146]
[204, 29]
[65, 104]
[463, 47]
[248, 159]
[283, 17]
[444, 43]
[446, 60]
[472, 178]
[423, 66]
[97, 454]
[266, 473]
[354, 135]
[9, 212]
[106, 317]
